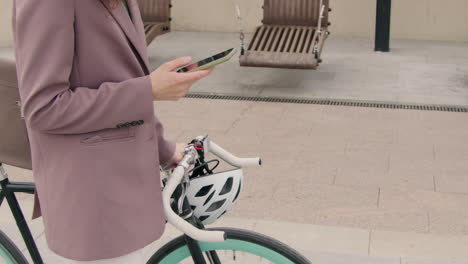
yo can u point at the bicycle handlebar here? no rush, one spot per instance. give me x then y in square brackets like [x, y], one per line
[176, 178]
[231, 159]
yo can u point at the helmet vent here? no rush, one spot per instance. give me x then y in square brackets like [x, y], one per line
[209, 198]
[216, 205]
[227, 186]
[204, 191]
[222, 214]
[203, 217]
[237, 194]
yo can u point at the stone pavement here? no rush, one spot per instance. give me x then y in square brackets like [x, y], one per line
[341, 184]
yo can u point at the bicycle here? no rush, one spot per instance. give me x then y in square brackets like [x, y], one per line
[198, 244]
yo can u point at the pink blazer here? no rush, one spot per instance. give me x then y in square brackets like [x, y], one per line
[96, 144]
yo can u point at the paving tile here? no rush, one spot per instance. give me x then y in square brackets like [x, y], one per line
[308, 179]
[268, 209]
[452, 179]
[375, 142]
[408, 180]
[423, 200]
[207, 120]
[336, 258]
[441, 222]
[411, 172]
[362, 170]
[187, 107]
[374, 218]
[272, 128]
[449, 149]
[429, 246]
[257, 200]
[317, 238]
[325, 195]
[414, 260]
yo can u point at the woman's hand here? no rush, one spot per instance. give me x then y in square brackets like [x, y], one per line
[170, 85]
[178, 154]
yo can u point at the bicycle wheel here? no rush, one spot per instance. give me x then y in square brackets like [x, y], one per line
[9, 252]
[241, 246]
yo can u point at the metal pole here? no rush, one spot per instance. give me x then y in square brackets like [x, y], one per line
[382, 25]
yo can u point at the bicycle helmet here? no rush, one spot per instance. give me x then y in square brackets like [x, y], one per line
[211, 196]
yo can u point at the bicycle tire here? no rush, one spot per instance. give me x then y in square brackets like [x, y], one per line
[9, 252]
[238, 240]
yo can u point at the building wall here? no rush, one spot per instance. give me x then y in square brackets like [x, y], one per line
[411, 19]
[430, 19]
[6, 36]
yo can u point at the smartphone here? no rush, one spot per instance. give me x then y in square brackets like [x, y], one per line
[209, 62]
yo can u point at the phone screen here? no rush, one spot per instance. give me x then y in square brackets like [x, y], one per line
[205, 61]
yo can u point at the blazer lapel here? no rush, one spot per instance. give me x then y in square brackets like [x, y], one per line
[120, 15]
[140, 29]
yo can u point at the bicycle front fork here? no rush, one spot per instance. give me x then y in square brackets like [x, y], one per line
[193, 245]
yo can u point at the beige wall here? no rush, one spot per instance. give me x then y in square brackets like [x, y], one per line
[411, 19]
[6, 36]
[430, 19]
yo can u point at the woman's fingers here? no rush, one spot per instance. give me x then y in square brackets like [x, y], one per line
[195, 76]
[170, 85]
[175, 64]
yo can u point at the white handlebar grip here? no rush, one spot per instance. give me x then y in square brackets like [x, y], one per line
[231, 159]
[179, 223]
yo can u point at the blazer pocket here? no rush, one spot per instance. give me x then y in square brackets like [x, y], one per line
[109, 135]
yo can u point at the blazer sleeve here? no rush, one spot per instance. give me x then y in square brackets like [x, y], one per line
[166, 147]
[44, 47]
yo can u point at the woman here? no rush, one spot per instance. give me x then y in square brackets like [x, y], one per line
[87, 98]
